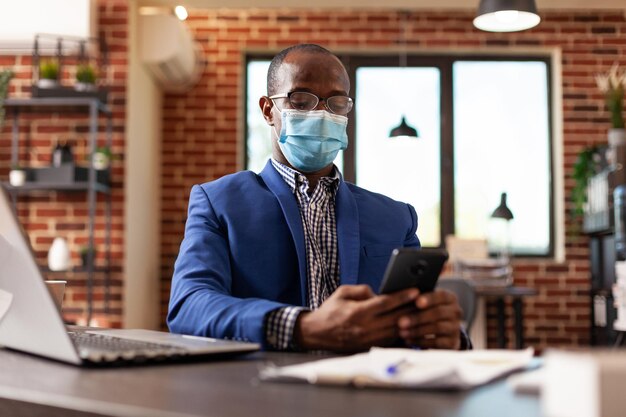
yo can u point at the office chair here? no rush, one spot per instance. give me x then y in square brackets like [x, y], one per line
[466, 296]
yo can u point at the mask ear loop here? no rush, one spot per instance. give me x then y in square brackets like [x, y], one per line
[273, 125]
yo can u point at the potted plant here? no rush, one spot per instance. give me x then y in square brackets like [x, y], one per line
[5, 78]
[101, 158]
[85, 78]
[585, 167]
[612, 85]
[84, 254]
[48, 74]
[17, 176]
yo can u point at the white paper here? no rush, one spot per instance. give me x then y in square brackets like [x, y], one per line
[440, 369]
[5, 302]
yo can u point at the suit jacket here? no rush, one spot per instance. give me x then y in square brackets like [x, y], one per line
[243, 254]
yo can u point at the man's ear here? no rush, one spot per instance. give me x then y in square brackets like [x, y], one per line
[266, 108]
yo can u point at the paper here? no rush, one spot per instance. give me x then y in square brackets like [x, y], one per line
[428, 369]
[528, 382]
[5, 302]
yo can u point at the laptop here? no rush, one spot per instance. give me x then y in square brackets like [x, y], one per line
[30, 321]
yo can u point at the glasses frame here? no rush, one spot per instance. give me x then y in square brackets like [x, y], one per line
[318, 98]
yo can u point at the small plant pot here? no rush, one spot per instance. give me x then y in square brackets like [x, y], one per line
[84, 87]
[100, 161]
[17, 177]
[46, 83]
[84, 257]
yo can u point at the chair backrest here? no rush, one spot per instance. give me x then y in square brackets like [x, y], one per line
[465, 294]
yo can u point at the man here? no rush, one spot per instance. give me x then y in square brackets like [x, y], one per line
[289, 258]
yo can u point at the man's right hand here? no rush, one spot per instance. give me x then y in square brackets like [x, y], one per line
[353, 319]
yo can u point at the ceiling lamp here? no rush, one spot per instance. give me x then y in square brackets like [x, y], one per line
[506, 15]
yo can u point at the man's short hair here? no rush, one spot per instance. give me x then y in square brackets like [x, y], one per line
[277, 61]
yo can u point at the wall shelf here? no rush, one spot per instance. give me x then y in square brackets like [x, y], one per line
[93, 109]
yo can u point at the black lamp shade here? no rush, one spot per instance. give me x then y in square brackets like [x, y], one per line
[506, 15]
[403, 129]
[502, 212]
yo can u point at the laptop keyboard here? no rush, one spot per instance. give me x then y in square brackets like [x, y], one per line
[103, 348]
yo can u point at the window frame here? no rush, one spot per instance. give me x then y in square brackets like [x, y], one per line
[444, 63]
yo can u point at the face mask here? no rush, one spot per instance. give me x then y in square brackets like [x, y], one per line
[311, 140]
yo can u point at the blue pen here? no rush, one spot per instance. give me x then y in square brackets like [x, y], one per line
[396, 367]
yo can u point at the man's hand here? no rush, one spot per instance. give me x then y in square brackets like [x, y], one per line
[435, 324]
[353, 319]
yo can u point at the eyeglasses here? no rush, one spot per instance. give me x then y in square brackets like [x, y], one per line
[304, 101]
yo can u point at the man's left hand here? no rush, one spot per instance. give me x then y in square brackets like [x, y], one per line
[436, 323]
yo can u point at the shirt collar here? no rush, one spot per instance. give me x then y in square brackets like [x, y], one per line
[295, 179]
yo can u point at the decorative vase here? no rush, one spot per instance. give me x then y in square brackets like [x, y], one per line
[617, 146]
[617, 137]
[59, 255]
[17, 177]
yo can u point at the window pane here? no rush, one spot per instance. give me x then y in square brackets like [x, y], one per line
[258, 145]
[405, 169]
[502, 144]
[258, 142]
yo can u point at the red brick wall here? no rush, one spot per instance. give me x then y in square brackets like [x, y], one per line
[48, 215]
[200, 128]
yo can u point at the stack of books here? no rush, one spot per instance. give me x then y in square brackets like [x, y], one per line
[487, 272]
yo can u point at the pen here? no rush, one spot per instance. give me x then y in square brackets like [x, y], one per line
[397, 367]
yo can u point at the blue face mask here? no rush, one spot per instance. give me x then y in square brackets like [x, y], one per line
[311, 140]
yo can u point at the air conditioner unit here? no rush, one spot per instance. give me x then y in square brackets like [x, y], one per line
[169, 52]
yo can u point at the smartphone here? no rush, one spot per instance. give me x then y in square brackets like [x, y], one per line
[413, 268]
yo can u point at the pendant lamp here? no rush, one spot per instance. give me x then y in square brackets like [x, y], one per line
[502, 211]
[500, 229]
[506, 15]
[403, 129]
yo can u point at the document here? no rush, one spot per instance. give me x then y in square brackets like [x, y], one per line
[406, 368]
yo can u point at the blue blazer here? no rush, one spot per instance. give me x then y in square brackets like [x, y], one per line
[243, 254]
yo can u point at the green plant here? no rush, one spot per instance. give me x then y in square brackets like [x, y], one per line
[584, 168]
[105, 150]
[612, 84]
[49, 70]
[85, 73]
[5, 78]
[16, 167]
[84, 253]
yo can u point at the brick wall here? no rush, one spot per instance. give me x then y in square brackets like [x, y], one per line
[48, 215]
[201, 137]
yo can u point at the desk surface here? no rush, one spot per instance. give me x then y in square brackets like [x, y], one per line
[33, 386]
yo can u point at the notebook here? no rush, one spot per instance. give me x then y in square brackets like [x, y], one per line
[30, 321]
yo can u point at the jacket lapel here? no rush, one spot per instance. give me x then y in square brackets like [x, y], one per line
[347, 235]
[291, 212]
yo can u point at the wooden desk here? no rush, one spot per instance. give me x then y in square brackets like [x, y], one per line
[30, 386]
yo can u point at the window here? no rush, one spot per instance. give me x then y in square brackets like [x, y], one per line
[484, 127]
[402, 168]
[502, 144]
